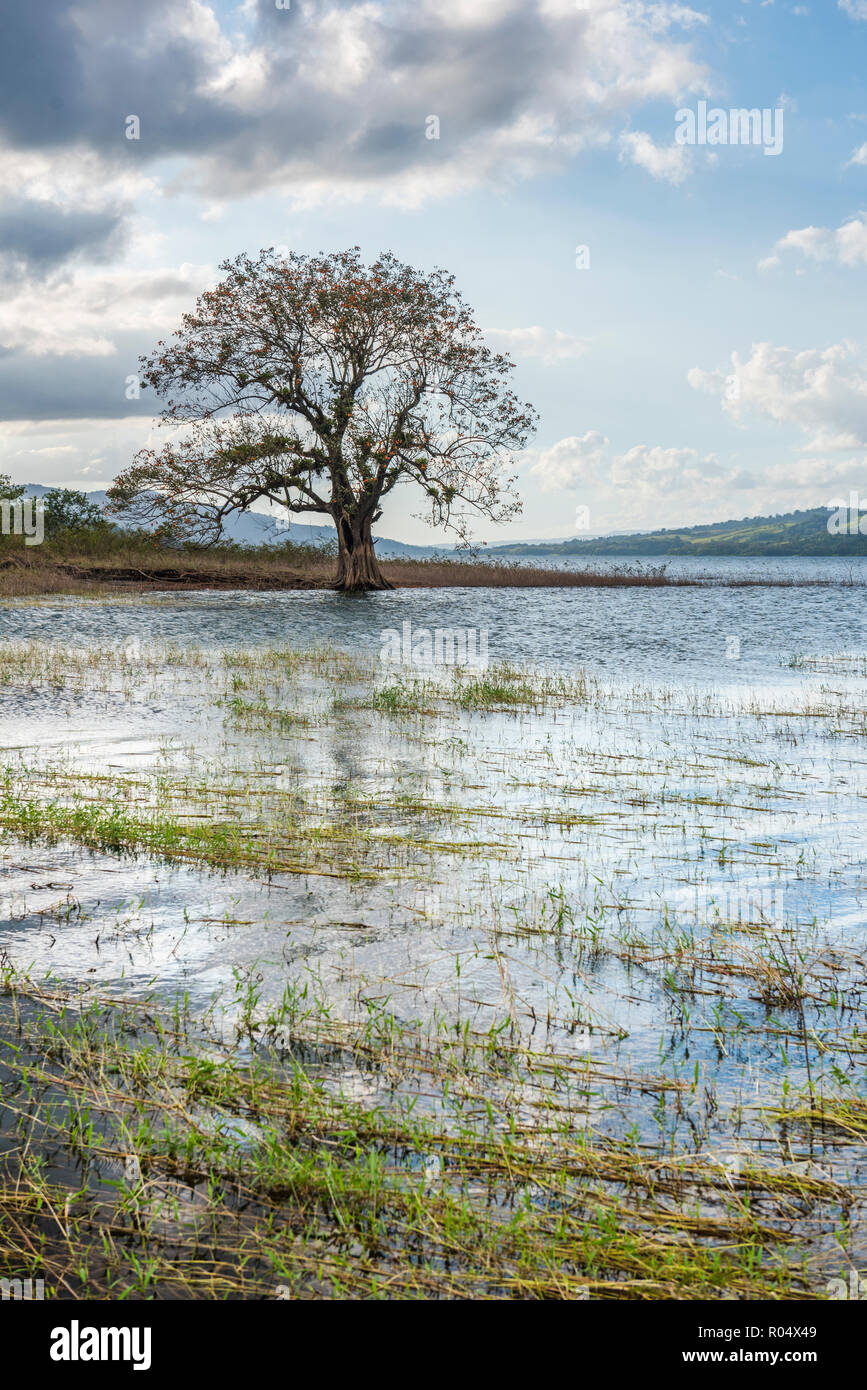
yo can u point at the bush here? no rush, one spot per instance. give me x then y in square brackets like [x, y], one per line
[68, 510]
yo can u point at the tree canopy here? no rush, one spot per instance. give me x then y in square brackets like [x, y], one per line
[317, 384]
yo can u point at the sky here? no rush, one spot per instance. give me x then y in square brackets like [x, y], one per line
[687, 318]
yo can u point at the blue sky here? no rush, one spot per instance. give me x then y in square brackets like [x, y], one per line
[708, 363]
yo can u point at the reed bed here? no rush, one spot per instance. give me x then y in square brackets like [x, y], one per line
[529, 1042]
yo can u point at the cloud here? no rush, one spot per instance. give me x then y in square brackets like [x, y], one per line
[819, 476]
[579, 462]
[668, 162]
[649, 486]
[551, 346]
[83, 315]
[70, 341]
[57, 207]
[846, 245]
[822, 392]
[332, 96]
[71, 452]
[38, 235]
[855, 9]
[572, 461]
[859, 156]
[656, 472]
[327, 99]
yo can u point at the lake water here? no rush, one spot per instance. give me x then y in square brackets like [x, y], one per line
[678, 634]
[629, 867]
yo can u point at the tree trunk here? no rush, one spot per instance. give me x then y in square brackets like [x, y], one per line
[357, 565]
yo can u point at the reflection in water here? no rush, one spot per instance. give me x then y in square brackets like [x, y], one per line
[643, 866]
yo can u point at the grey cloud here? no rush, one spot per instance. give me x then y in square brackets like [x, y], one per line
[69, 388]
[41, 235]
[72, 74]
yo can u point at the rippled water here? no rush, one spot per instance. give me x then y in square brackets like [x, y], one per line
[545, 860]
[678, 634]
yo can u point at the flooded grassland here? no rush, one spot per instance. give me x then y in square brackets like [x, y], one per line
[326, 978]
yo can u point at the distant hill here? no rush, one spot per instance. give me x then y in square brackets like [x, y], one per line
[791, 533]
[253, 528]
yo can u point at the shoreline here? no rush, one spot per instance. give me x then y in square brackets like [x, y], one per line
[21, 578]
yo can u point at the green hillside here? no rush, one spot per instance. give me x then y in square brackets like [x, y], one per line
[792, 533]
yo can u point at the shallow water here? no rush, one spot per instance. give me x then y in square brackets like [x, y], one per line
[621, 873]
[682, 635]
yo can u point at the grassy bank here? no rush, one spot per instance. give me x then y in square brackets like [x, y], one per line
[113, 562]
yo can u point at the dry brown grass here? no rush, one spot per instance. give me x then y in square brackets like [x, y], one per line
[138, 568]
[140, 565]
[139, 571]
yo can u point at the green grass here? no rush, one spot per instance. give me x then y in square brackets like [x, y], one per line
[792, 533]
[197, 1170]
[516, 1137]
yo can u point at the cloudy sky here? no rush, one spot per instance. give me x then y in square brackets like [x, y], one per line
[687, 318]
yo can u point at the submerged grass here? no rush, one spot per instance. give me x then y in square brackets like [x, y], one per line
[140, 1156]
[571, 1083]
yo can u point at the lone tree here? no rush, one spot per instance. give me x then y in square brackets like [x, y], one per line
[317, 384]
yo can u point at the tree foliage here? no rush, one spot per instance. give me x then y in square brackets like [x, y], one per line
[69, 510]
[318, 384]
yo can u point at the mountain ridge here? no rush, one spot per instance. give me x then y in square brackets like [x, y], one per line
[804, 532]
[784, 533]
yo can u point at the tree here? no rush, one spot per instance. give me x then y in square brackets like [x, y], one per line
[9, 491]
[68, 510]
[317, 384]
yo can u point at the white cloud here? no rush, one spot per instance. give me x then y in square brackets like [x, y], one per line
[551, 345]
[818, 476]
[635, 488]
[658, 472]
[354, 42]
[649, 486]
[845, 245]
[588, 461]
[668, 162]
[70, 178]
[80, 315]
[856, 9]
[821, 392]
[84, 453]
[571, 461]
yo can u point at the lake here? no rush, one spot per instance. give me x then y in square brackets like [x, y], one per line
[634, 846]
